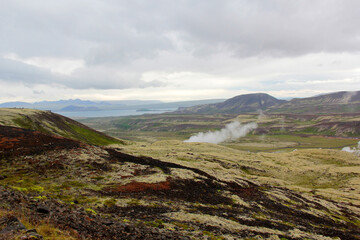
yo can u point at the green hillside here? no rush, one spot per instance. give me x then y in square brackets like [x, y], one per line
[54, 124]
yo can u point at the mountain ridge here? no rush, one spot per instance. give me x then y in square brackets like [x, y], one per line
[337, 102]
[84, 105]
[239, 104]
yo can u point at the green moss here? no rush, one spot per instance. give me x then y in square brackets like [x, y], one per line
[98, 178]
[37, 188]
[21, 189]
[355, 222]
[157, 223]
[134, 201]
[68, 184]
[92, 137]
[27, 123]
[260, 216]
[183, 226]
[23, 122]
[110, 202]
[41, 197]
[211, 236]
[63, 128]
[89, 210]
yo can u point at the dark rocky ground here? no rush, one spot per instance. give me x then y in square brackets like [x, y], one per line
[102, 193]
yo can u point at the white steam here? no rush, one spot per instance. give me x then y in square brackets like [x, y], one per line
[230, 132]
[355, 150]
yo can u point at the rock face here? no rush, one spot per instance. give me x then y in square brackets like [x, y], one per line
[239, 104]
[104, 193]
[10, 224]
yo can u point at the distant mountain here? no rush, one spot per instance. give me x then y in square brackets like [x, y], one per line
[73, 108]
[15, 104]
[338, 102]
[240, 104]
[72, 105]
[70, 101]
[49, 105]
[182, 104]
[133, 102]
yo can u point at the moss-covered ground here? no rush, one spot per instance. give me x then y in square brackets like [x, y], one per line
[288, 179]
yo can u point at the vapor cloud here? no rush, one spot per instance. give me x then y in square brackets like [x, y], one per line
[354, 150]
[230, 132]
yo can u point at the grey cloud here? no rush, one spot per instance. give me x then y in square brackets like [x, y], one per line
[107, 78]
[276, 28]
[127, 49]
[313, 81]
[118, 40]
[13, 71]
[37, 92]
[98, 77]
[127, 30]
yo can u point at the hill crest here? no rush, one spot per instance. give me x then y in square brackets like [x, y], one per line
[239, 104]
[337, 102]
[51, 123]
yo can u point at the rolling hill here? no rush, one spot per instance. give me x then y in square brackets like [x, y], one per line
[239, 104]
[338, 102]
[54, 124]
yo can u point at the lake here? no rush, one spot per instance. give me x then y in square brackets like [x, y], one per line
[113, 113]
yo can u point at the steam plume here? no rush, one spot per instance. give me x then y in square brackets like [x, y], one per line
[355, 150]
[230, 132]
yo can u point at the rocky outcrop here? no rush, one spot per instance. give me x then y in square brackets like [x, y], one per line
[12, 228]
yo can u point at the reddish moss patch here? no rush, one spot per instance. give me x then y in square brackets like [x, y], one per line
[20, 142]
[135, 186]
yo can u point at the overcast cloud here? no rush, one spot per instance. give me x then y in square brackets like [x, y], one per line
[111, 49]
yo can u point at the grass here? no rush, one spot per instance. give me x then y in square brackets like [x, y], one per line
[48, 123]
[89, 210]
[274, 143]
[92, 137]
[284, 132]
[329, 170]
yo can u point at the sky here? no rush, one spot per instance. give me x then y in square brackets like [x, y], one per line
[177, 50]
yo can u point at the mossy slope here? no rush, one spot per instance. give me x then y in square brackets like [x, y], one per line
[54, 124]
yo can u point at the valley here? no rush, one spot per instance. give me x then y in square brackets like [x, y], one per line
[134, 177]
[292, 150]
[275, 132]
[196, 191]
[187, 120]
